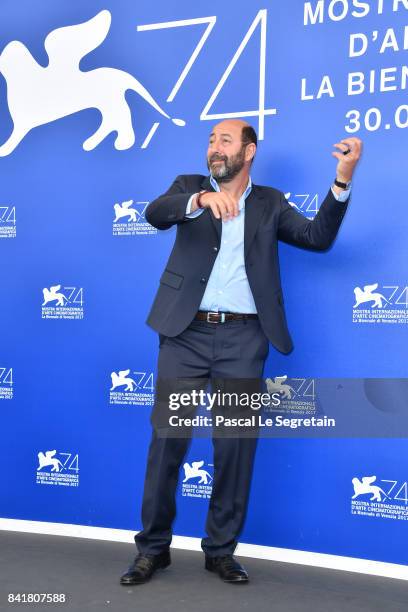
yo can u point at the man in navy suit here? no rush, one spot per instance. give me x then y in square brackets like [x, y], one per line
[218, 306]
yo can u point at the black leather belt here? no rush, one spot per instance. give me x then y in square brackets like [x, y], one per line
[221, 317]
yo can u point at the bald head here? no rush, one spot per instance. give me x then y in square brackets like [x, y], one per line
[233, 124]
[238, 127]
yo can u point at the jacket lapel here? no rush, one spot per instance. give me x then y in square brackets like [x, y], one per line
[254, 208]
[217, 223]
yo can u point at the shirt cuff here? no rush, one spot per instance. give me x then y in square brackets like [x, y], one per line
[342, 196]
[195, 213]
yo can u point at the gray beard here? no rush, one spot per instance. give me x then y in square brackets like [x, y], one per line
[228, 169]
[220, 172]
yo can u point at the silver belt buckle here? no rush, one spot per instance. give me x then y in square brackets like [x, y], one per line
[216, 313]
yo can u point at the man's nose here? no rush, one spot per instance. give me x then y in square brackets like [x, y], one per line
[215, 149]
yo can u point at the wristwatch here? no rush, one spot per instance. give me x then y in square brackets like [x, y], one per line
[199, 205]
[342, 185]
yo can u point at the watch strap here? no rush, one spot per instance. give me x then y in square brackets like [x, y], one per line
[342, 185]
[199, 205]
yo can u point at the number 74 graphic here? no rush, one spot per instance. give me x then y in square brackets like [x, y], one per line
[261, 112]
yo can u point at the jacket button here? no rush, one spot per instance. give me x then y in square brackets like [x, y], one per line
[215, 248]
[203, 280]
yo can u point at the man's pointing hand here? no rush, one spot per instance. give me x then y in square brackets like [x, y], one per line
[221, 203]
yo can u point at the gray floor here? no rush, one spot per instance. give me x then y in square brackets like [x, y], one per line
[88, 571]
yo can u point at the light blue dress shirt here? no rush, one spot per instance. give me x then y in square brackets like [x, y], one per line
[227, 288]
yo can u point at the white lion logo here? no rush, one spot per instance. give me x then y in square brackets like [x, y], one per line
[122, 378]
[52, 295]
[46, 459]
[38, 95]
[366, 295]
[276, 386]
[124, 210]
[194, 471]
[366, 486]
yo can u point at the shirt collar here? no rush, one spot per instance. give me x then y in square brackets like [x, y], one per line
[244, 195]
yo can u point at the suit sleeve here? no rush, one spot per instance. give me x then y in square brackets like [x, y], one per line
[317, 234]
[170, 208]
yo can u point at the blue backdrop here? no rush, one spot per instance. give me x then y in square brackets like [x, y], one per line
[80, 269]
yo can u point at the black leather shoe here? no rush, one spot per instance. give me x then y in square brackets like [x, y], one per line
[227, 568]
[143, 568]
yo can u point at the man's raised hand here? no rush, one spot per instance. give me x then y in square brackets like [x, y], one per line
[348, 162]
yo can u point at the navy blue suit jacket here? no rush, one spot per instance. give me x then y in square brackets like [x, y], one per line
[268, 218]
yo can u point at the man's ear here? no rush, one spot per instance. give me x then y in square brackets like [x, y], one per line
[250, 151]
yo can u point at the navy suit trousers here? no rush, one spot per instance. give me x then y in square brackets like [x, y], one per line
[203, 353]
